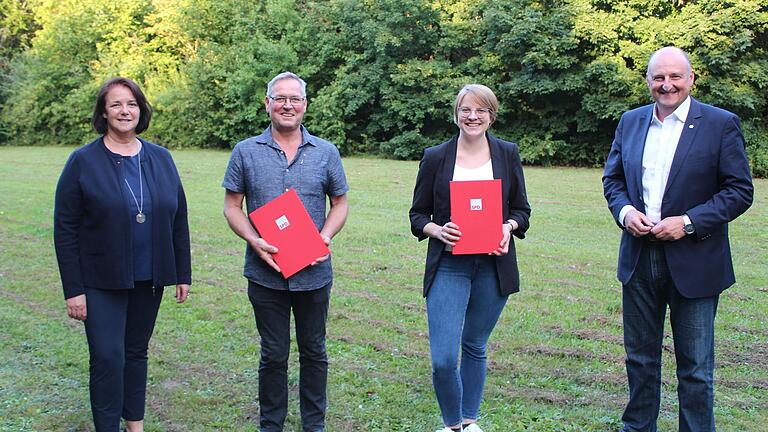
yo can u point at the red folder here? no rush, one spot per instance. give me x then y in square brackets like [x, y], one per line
[285, 224]
[476, 209]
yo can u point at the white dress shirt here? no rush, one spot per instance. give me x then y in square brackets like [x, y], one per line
[660, 145]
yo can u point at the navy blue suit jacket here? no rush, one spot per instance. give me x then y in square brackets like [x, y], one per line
[432, 203]
[91, 222]
[709, 180]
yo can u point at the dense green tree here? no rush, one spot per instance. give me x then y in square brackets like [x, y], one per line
[381, 74]
[572, 67]
[17, 26]
[366, 55]
[215, 98]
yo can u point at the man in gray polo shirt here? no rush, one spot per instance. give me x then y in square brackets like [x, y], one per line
[260, 168]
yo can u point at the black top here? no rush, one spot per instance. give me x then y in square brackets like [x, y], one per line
[139, 199]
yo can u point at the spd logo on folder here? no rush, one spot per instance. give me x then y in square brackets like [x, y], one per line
[282, 223]
[476, 204]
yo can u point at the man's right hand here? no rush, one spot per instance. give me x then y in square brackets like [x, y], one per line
[265, 251]
[637, 223]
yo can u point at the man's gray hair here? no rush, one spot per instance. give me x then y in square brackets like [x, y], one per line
[287, 75]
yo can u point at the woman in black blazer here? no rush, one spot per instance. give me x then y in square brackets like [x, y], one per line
[121, 235]
[466, 293]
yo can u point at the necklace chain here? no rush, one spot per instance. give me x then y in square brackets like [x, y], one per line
[140, 217]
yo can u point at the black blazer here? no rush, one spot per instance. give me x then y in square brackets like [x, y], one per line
[431, 203]
[91, 221]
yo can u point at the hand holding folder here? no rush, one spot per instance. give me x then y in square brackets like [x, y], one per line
[285, 224]
[265, 251]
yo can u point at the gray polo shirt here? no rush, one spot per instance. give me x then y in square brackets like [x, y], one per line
[259, 169]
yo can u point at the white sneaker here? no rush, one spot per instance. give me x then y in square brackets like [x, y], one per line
[473, 427]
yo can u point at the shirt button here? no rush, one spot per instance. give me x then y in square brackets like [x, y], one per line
[286, 189]
[286, 170]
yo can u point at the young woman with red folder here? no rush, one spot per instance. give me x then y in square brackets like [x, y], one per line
[466, 294]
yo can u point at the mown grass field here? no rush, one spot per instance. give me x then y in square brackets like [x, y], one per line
[556, 357]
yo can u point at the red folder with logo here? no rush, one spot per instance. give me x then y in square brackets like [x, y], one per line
[476, 209]
[285, 224]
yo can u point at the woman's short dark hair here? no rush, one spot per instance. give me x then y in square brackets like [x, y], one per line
[98, 121]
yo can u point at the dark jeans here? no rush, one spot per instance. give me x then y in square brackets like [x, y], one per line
[119, 326]
[463, 306]
[272, 309]
[645, 299]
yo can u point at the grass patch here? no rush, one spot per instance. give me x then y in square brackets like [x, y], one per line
[556, 356]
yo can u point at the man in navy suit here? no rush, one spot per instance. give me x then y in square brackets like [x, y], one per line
[676, 174]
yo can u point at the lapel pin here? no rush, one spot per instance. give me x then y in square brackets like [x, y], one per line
[690, 126]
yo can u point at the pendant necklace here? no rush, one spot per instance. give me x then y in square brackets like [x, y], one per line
[140, 216]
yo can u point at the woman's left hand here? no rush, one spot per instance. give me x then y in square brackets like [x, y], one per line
[506, 230]
[182, 292]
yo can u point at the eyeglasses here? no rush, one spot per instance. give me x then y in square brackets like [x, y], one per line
[465, 111]
[282, 100]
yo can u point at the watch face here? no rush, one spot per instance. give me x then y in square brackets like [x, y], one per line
[688, 229]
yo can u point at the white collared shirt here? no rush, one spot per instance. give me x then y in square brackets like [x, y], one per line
[660, 146]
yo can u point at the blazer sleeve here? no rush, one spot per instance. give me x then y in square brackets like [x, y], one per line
[519, 208]
[735, 184]
[422, 207]
[181, 243]
[614, 177]
[67, 218]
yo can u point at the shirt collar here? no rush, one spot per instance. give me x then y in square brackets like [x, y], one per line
[681, 113]
[266, 137]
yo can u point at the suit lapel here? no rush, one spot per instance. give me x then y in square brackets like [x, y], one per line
[638, 146]
[498, 165]
[690, 129]
[443, 176]
[449, 162]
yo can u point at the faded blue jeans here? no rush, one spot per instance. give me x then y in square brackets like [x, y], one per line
[645, 299]
[463, 306]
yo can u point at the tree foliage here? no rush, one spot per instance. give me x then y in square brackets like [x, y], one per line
[381, 74]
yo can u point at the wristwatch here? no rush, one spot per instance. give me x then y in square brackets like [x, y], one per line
[687, 225]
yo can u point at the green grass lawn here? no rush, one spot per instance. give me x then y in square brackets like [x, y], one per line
[556, 356]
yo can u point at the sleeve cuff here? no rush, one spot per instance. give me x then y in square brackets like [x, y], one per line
[623, 213]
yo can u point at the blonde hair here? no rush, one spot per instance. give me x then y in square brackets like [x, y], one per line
[482, 94]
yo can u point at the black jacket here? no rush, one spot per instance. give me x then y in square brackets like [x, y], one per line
[92, 221]
[431, 203]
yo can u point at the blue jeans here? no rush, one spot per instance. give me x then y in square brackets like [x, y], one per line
[119, 326]
[645, 298]
[463, 306]
[272, 309]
